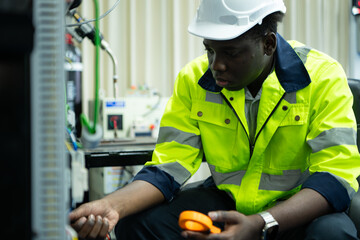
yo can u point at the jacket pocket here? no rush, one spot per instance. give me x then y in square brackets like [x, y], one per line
[213, 113]
[297, 115]
[287, 149]
[224, 146]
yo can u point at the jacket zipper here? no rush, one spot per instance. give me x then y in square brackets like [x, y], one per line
[252, 145]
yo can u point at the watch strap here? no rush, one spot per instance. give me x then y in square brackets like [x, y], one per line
[271, 227]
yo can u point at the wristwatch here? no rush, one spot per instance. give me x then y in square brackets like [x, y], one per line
[271, 227]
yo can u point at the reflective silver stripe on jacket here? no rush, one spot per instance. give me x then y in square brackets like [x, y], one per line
[169, 134]
[234, 178]
[213, 97]
[289, 180]
[333, 137]
[290, 97]
[302, 52]
[180, 174]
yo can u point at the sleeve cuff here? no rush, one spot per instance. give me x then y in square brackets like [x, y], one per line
[160, 179]
[330, 188]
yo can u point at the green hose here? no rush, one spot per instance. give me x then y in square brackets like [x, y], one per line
[84, 120]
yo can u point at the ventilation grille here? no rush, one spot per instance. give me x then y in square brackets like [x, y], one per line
[48, 121]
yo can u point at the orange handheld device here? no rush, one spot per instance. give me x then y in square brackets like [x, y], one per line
[198, 222]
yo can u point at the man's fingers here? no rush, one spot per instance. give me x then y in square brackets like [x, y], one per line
[79, 223]
[92, 227]
[94, 233]
[194, 235]
[225, 216]
[105, 228]
[78, 213]
[87, 227]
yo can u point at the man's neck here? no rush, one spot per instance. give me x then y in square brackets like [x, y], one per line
[255, 86]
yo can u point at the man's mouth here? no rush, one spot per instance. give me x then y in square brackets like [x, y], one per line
[221, 82]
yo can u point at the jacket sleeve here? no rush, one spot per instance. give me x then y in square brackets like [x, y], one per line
[178, 152]
[334, 161]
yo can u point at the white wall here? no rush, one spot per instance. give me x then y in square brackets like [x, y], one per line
[321, 24]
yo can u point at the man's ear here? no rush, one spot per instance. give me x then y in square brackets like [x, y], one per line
[270, 43]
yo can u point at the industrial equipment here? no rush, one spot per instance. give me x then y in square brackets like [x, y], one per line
[354, 40]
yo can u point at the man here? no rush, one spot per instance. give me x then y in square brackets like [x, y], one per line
[274, 122]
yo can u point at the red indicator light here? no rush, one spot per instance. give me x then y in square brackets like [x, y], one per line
[356, 7]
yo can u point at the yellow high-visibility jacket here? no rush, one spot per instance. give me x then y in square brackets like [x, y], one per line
[305, 136]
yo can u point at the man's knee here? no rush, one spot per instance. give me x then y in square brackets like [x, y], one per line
[333, 226]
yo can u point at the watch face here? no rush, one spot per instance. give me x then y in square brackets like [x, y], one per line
[271, 232]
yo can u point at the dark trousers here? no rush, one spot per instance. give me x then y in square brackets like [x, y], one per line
[161, 222]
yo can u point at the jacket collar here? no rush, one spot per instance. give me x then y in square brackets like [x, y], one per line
[289, 69]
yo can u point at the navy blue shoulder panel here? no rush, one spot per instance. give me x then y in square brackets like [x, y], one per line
[289, 68]
[207, 82]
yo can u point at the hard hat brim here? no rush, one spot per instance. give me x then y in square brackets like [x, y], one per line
[213, 31]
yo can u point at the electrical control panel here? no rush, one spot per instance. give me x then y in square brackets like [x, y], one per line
[113, 118]
[131, 117]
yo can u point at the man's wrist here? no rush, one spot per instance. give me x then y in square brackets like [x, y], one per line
[114, 201]
[258, 223]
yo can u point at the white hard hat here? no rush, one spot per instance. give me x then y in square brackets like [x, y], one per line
[228, 19]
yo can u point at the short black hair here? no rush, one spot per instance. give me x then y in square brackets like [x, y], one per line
[269, 24]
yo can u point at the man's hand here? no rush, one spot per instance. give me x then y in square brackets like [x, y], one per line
[94, 220]
[237, 226]
[300, 209]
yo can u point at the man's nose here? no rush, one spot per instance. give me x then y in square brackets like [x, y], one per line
[218, 63]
